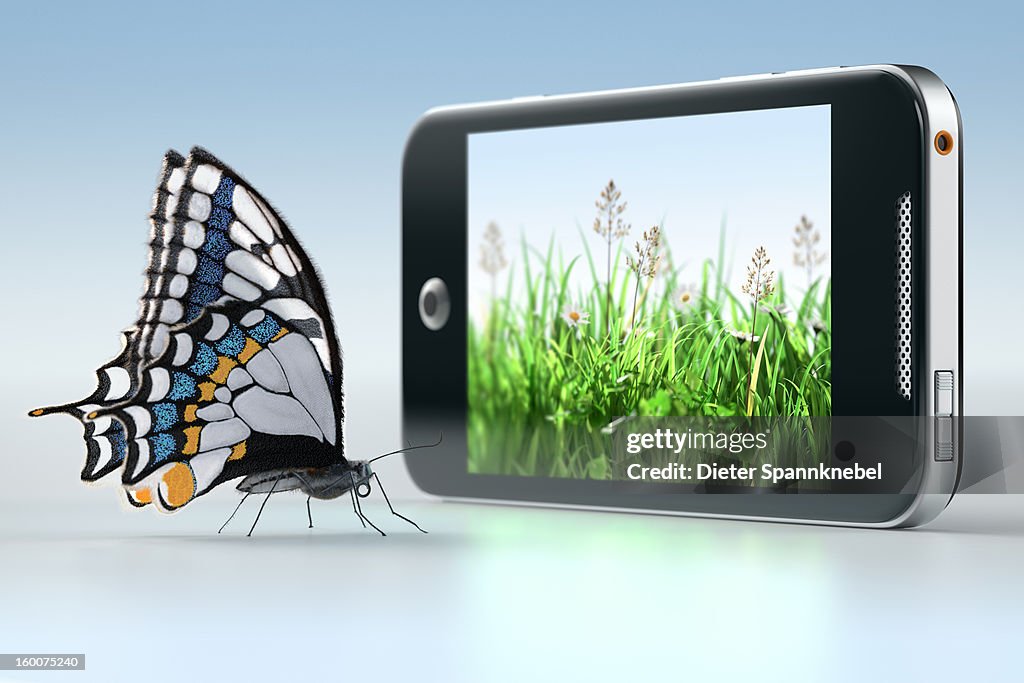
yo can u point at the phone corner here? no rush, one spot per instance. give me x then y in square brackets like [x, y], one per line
[421, 128]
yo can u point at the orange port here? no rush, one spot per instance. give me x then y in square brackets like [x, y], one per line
[943, 142]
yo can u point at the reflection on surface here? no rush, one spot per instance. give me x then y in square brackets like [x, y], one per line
[505, 593]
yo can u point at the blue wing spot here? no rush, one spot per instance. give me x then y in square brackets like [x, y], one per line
[165, 416]
[203, 294]
[209, 271]
[192, 312]
[232, 343]
[184, 387]
[219, 218]
[225, 191]
[206, 359]
[118, 444]
[161, 446]
[217, 245]
[265, 329]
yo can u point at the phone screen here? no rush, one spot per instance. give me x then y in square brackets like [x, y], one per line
[659, 267]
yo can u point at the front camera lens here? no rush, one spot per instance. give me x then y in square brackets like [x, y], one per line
[430, 303]
[845, 451]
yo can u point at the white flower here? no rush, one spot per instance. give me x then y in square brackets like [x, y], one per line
[574, 317]
[783, 310]
[684, 298]
[745, 336]
[818, 325]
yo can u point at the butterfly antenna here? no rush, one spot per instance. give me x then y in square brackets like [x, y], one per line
[440, 438]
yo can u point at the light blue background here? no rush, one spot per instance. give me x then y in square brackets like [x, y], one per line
[687, 174]
[313, 104]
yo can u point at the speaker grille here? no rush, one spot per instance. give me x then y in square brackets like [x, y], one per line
[904, 216]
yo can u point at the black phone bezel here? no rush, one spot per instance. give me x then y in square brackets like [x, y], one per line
[877, 155]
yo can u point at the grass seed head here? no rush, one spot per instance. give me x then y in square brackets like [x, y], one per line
[806, 237]
[492, 251]
[645, 263]
[760, 279]
[609, 223]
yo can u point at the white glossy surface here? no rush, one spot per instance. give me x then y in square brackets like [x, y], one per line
[504, 593]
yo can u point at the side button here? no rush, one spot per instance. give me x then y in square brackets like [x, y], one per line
[944, 437]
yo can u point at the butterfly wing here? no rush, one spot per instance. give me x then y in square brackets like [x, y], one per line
[248, 374]
[117, 379]
[227, 243]
[235, 392]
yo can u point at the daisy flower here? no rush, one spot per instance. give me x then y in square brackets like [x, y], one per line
[574, 317]
[684, 298]
[782, 309]
[745, 336]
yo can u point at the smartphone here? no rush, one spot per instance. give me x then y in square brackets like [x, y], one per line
[783, 247]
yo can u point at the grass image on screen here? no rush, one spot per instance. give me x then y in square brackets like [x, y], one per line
[656, 268]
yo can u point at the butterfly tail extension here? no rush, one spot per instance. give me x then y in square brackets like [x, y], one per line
[104, 439]
[117, 380]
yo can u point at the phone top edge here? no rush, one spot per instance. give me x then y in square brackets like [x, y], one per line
[666, 87]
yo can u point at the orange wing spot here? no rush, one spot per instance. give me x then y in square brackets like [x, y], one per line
[191, 440]
[251, 347]
[224, 366]
[206, 391]
[180, 484]
[142, 496]
[238, 451]
[190, 412]
[283, 331]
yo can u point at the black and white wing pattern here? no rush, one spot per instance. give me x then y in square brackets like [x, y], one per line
[117, 380]
[226, 242]
[246, 373]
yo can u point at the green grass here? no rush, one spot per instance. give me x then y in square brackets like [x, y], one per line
[540, 392]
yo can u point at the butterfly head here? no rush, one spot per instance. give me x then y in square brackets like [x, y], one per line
[337, 480]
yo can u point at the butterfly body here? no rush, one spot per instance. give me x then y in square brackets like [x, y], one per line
[324, 483]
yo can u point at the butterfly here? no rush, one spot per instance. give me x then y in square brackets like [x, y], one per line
[233, 368]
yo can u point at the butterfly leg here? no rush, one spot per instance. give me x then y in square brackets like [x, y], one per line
[271, 491]
[359, 511]
[309, 512]
[356, 510]
[390, 507]
[233, 513]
